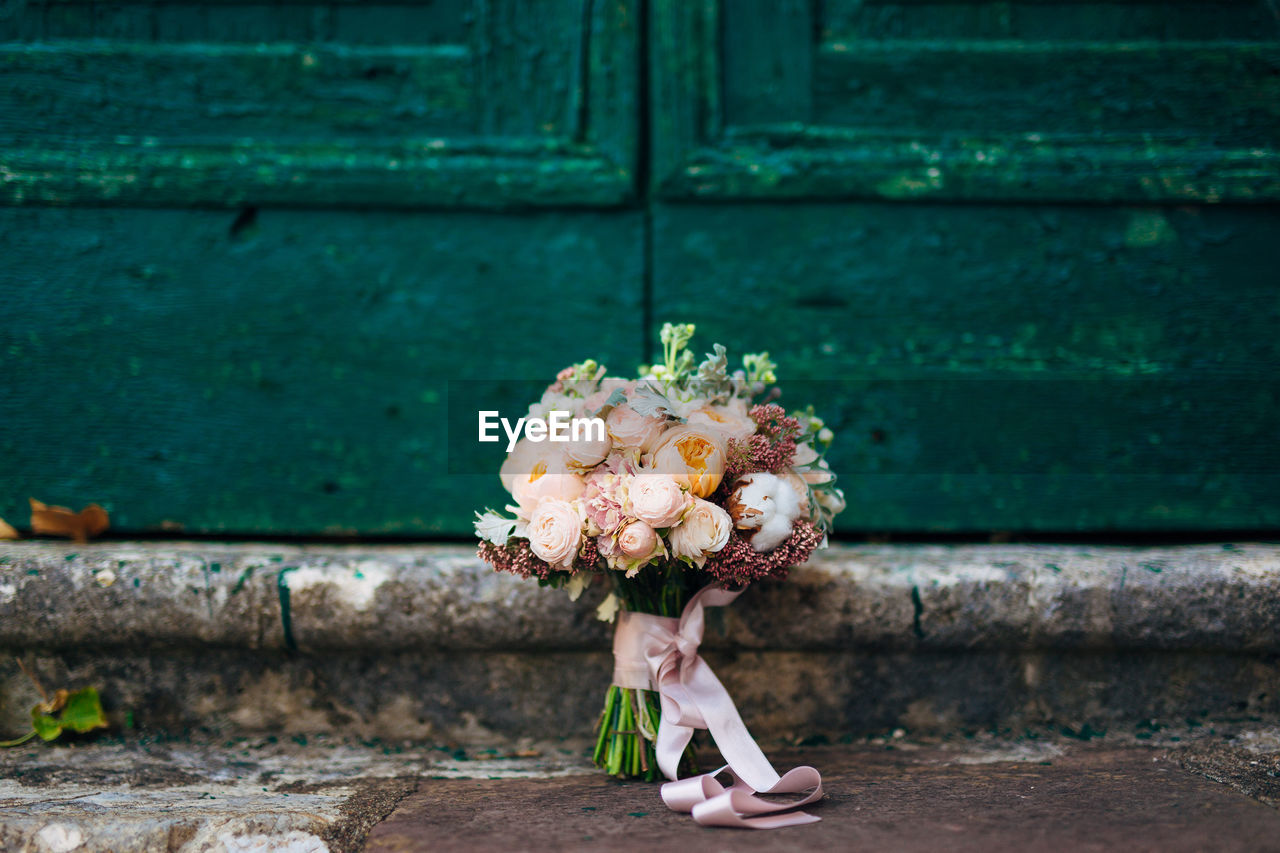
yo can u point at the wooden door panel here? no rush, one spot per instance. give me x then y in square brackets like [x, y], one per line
[195, 373]
[485, 104]
[990, 367]
[1109, 101]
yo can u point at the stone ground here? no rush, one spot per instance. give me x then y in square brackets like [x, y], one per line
[1213, 788]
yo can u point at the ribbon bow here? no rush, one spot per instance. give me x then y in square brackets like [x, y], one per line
[661, 653]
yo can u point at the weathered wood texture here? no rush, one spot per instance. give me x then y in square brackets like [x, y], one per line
[969, 101]
[489, 104]
[1004, 367]
[268, 363]
[286, 374]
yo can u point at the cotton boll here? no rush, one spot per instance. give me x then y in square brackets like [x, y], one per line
[766, 504]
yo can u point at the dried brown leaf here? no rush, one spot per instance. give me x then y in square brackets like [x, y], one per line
[59, 521]
[7, 531]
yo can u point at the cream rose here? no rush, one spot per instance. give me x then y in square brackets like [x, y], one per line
[730, 420]
[656, 499]
[637, 540]
[555, 531]
[693, 456]
[704, 531]
[629, 428]
[832, 500]
[586, 453]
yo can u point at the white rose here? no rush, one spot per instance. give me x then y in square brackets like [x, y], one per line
[704, 531]
[555, 531]
[629, 428]
[656, 499]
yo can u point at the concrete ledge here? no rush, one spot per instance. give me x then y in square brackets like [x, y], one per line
[401, 598]
[428, 643]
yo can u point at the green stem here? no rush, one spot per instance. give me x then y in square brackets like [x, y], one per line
[20, 741]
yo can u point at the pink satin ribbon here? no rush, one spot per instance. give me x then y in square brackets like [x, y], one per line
[661, 653]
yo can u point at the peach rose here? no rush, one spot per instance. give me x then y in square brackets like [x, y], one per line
[629, 428]
[521, 460]
[546, 478]
[693, 456]
[656, 499]
[704, 531]
[555, 531]
[637, 540]
[730, 420]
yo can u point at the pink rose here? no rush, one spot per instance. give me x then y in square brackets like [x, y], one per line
[555, 531]
[657, 499]
[637, 540]
[704, 531]
[629, 428]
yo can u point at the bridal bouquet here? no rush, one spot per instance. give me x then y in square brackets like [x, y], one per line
[677, 490]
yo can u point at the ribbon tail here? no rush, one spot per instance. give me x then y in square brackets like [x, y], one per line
[724, 723]
[738, 809]
[670, 746]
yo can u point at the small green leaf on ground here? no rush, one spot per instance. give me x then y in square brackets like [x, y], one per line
[81, 713]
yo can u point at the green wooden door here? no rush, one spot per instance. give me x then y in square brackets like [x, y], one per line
[246, 245]
[1028, 251]
[1024, 252]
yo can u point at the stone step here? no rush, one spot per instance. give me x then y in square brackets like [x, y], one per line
[428, 643]
[331, 795]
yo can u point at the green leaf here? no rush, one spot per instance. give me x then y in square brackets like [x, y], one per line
[82, 713]
[46, 726]
[617, 398]
[650, 402]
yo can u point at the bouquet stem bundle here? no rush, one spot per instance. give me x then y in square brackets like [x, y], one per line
[629, 722]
